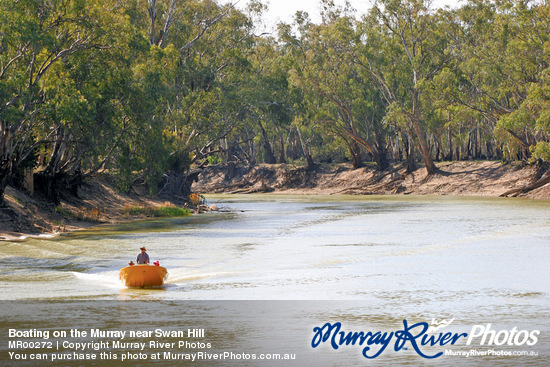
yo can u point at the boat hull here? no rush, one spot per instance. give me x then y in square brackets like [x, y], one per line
[143, 275]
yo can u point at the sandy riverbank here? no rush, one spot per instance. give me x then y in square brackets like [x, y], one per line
[484, 178]
[98, 201]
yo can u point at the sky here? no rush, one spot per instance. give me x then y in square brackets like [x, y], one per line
[284, 10]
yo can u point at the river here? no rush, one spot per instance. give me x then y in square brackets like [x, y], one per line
[383, 259]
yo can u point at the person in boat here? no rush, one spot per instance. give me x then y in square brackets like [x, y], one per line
[131, 263]
[142, 258]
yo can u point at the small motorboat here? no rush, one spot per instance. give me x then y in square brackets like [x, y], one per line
[143, 275]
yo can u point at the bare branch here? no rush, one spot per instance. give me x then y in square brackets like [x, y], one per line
[19, 55]
[168, 23]
[152, 18]
[206, 26]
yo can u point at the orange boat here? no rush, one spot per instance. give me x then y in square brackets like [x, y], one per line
[143, 275]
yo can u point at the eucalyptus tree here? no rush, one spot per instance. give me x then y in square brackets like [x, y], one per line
[346, 101]
[213, 42]
[402, 50]
[294, 48]
[524, 28]
[213, 68]
[39, 40]
[269, 98]
[499, 62]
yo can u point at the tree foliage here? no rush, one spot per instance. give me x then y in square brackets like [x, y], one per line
[147, 90]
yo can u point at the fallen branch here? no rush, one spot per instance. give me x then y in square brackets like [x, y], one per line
[253, 190]
[522, 190]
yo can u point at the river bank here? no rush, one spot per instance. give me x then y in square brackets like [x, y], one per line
[99, 202]
[464, 178]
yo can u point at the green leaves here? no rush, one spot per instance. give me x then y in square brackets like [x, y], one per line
[145, 88]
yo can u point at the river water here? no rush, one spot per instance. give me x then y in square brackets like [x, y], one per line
[357, 260]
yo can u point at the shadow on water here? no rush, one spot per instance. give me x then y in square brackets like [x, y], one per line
[140, 226]
[13, 265]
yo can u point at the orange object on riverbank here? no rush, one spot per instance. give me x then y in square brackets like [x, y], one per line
[143, 275]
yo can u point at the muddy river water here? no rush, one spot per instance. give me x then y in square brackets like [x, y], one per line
[299, 262]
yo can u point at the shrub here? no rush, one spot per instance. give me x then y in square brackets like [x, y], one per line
[165, 211]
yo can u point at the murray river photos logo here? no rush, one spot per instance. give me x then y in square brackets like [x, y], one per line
[419, 336]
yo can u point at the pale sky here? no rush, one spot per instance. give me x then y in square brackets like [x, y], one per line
[284, 10]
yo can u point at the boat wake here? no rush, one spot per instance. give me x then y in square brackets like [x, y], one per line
[185, 276]
[107, 279]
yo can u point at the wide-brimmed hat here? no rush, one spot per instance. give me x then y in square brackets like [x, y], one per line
[143, 248]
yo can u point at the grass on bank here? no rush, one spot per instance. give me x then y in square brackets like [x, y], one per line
[164, 211]
[84, 213]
